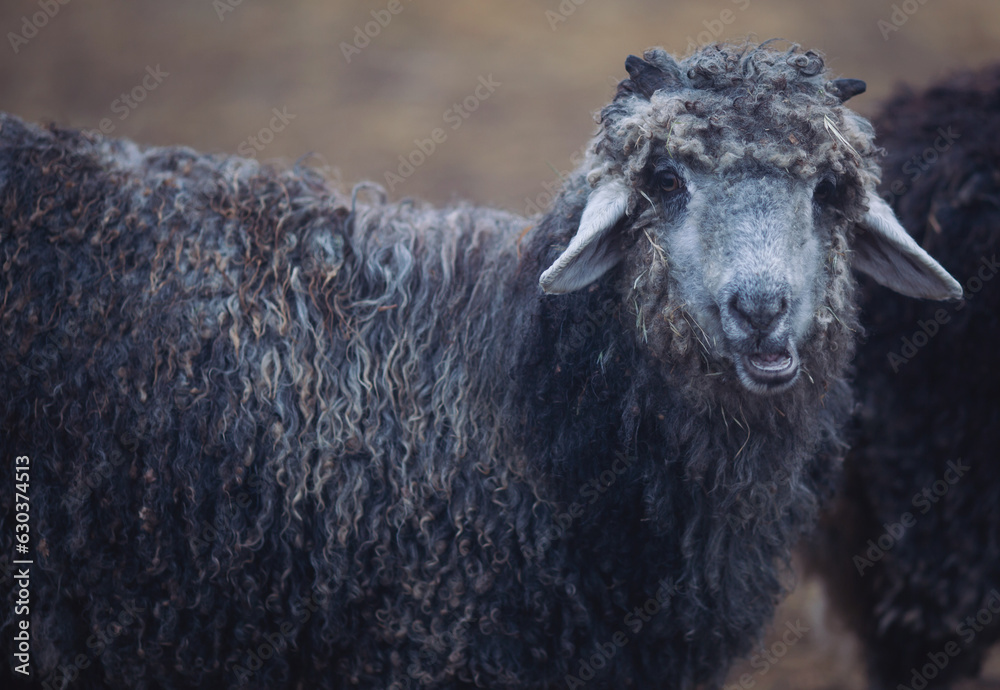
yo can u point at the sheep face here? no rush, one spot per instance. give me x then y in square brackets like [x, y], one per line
[748, 254]
[742, 181]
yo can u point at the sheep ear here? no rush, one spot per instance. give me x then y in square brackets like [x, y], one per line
[885, 251]
[592, 251]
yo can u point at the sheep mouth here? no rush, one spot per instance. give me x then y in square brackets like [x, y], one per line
[768, 372]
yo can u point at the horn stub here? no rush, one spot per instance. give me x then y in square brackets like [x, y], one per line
[645, 78]
[848, 88]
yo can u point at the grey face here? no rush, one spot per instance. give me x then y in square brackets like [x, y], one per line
[747, 253]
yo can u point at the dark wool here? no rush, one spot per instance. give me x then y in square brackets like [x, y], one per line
[280, 437]
[929, 390]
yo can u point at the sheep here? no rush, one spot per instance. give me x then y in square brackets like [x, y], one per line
[279, 436]
[910, 548]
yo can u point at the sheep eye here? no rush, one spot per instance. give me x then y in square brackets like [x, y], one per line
[669, 182]
[825, 191]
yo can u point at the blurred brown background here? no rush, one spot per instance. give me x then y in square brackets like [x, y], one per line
[359, 82]
[230, 62]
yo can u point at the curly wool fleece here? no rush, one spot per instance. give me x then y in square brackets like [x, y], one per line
[283, 438]
[727, 106]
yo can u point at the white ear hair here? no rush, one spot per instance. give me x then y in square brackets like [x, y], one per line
[591, 252]
[885, 251]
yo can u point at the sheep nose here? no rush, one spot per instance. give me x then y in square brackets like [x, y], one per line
[758, 312]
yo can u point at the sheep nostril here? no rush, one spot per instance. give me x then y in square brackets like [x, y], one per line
[757, 315]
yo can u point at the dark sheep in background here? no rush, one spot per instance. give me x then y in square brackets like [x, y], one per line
[283, 438]
[911, 549]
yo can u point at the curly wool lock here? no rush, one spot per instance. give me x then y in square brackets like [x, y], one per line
[316, 441]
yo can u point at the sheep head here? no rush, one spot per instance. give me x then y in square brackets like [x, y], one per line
[740, 180]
